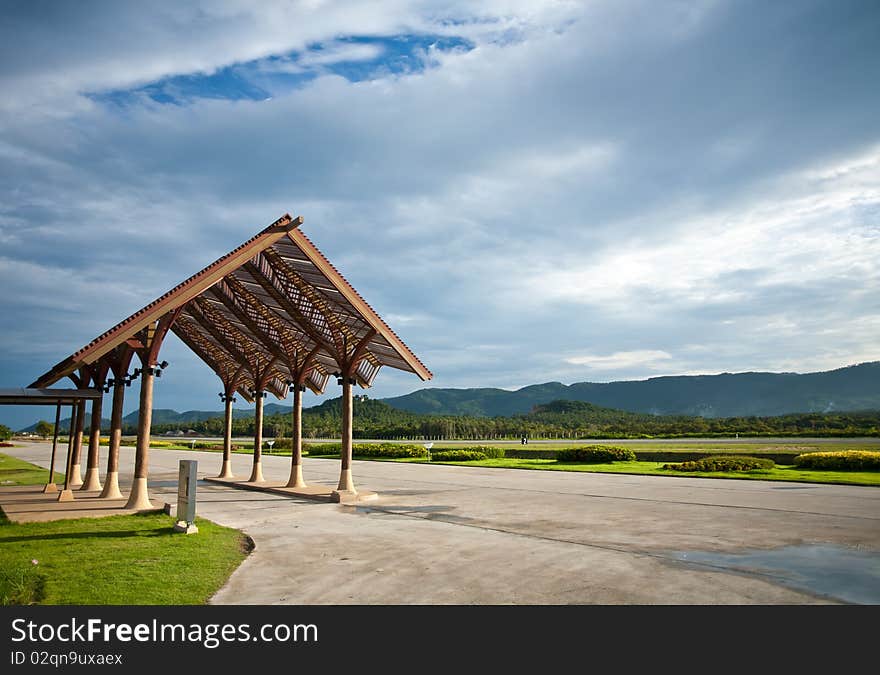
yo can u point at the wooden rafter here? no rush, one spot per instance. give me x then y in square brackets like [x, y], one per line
[316, 304]
[291, 342]
[291, 309]
[240, 345]
[265, 334]
[217, 358]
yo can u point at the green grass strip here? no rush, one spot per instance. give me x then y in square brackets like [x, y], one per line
[117, 560]
[14, 471]
[132, 559]
[779, 473]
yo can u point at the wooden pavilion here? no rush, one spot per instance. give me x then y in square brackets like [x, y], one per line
[271, 316]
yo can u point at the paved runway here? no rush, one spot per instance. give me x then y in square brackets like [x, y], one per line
[468, 535]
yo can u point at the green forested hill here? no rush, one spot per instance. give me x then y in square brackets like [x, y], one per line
[726, 395]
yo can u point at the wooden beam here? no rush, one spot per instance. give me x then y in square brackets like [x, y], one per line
[293, 311]
[352, 361]
[292, 342]
[238, 346]
[213, 355]
[318, 302]
[268, 342]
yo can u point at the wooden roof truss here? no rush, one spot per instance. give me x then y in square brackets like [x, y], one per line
[270, 314]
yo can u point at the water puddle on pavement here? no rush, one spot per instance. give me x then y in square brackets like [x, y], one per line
[844, 573]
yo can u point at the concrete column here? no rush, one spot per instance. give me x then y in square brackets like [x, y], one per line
[50, 484]
[111, 480]
[76, 479]
[257, 472]
[66, 494]
[139, 499]
[226, 471]
[296, 475]
[345, 481]
[92, 480]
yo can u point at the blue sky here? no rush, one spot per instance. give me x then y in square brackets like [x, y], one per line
[526, 191]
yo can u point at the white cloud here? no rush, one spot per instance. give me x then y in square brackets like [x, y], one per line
[652, 359]
[339, 52]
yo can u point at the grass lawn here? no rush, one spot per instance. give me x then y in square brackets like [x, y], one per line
[117, 560]
[779, 472]
[14, 471]
[786, 473]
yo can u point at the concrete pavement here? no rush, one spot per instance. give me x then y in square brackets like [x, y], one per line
[468, 535]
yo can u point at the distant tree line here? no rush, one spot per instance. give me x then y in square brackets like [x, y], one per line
[559, 419]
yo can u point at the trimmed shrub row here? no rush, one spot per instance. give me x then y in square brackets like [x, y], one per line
[596, 454]
[842, 460]
[366, 450]
[487, 451]
[459, 455]
[319, 449]
[387, 450]
[723, 463]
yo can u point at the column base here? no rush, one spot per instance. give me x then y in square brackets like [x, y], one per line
[183, 526]
[257, 474]
[65, 496]
[346, 483]
[226, 471]
[75, 476]
[92, 481]
[50, 488]
[139, 498]
[111, 487]
[296, 477]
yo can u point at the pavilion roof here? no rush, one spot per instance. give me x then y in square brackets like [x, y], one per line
[267, 310]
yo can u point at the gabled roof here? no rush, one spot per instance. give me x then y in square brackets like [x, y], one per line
[265, 307]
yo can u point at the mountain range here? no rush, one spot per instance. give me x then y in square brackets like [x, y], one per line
[851, 388]
[726, 395]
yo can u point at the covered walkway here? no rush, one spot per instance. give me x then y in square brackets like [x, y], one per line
[271, 316]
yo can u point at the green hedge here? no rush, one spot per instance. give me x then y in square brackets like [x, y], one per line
[387, 450]
[366, 450]
[843, 460]
[596, 454]
[723, 463]
[488, 451]
[213, 445]
[319, 449]
[460, 455]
